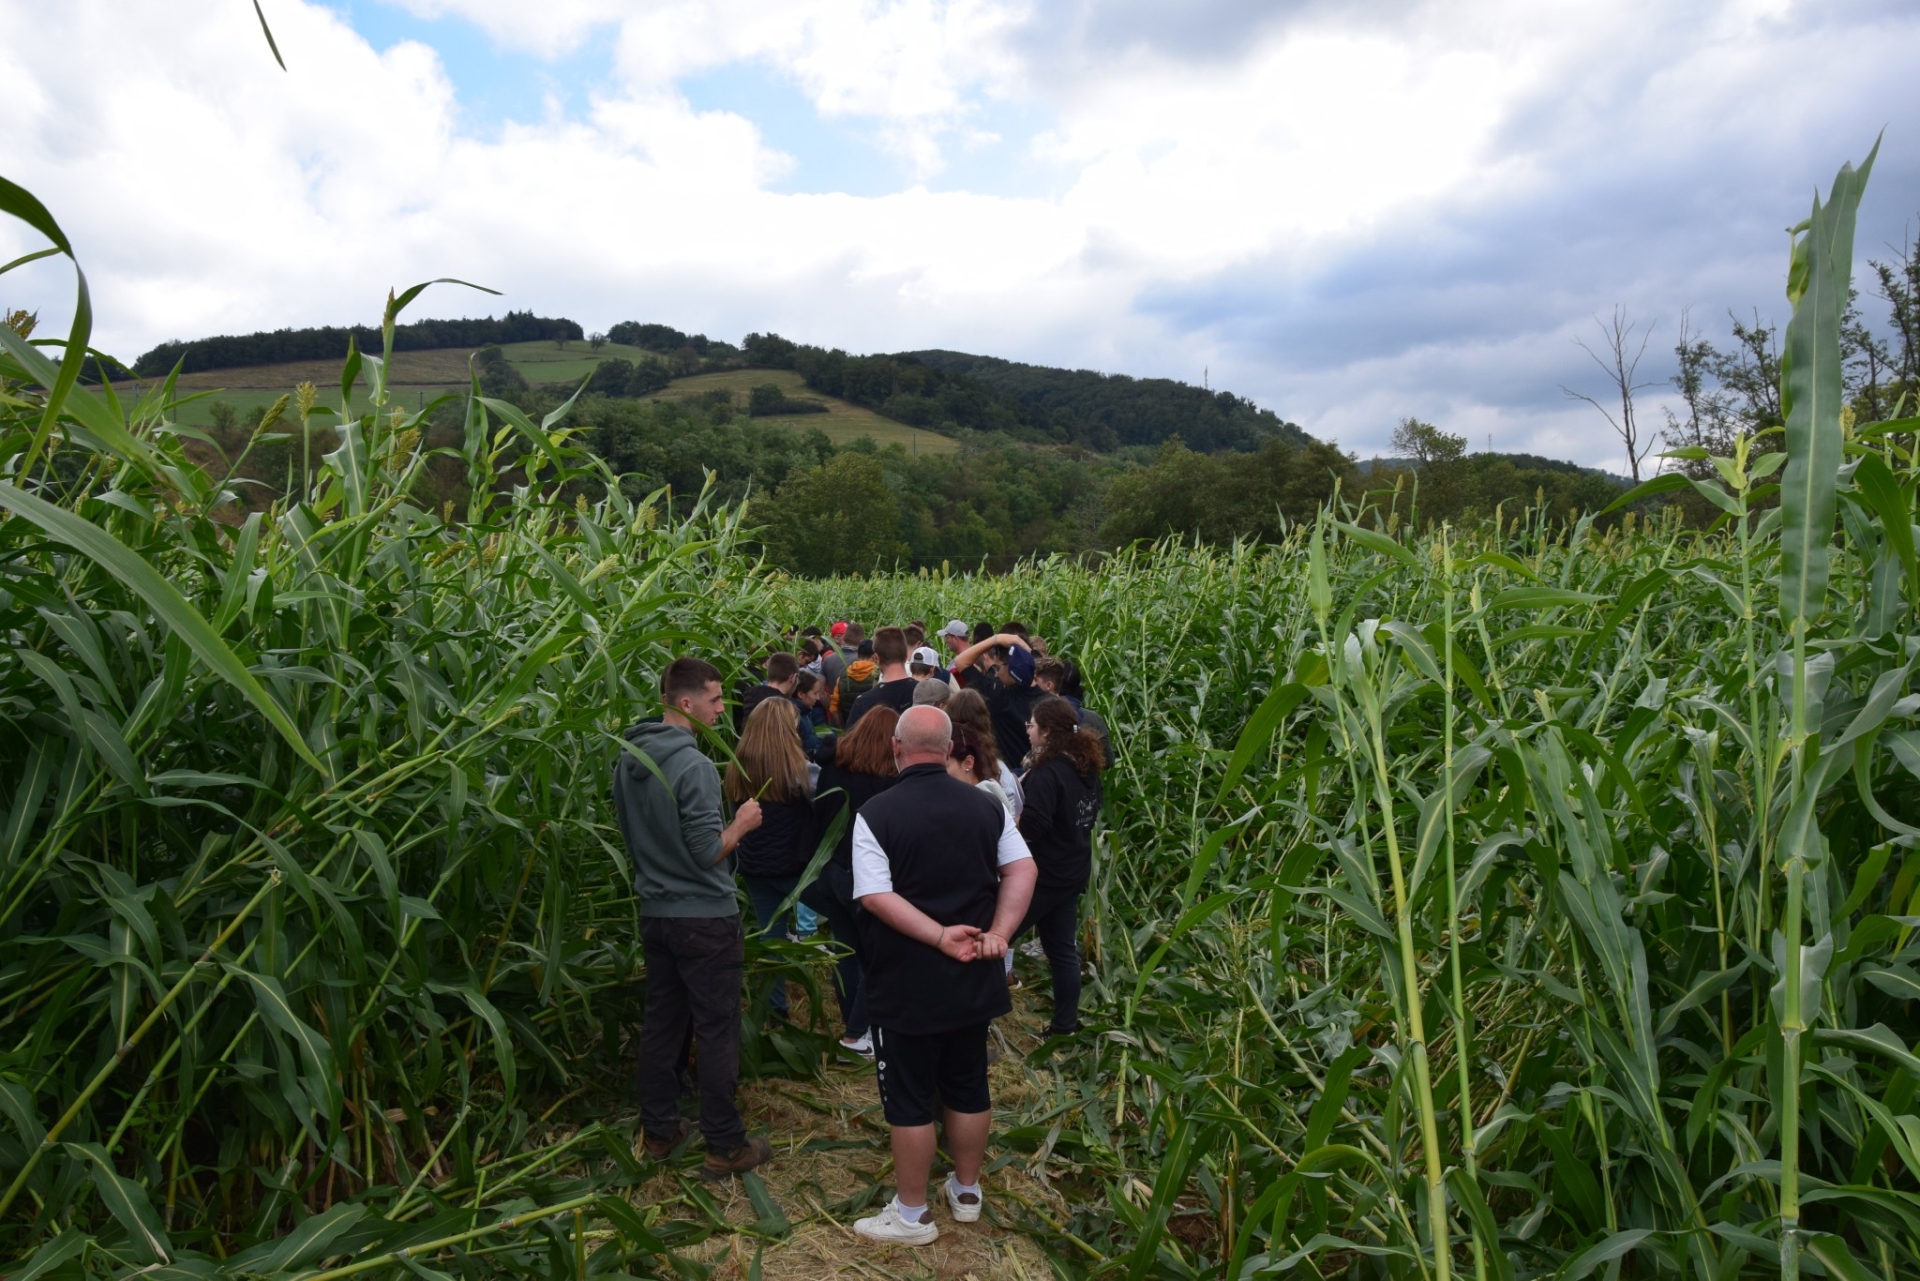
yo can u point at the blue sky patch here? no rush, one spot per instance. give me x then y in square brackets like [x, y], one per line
[492, 84]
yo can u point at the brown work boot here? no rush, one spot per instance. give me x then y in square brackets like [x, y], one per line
[659, 1147]
[724, 1165]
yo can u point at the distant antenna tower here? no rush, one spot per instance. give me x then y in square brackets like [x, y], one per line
[1206, 377]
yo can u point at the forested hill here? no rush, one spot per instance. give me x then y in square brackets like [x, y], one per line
[948, 392]
[1138, 411]
[329, 342]
[944, 390]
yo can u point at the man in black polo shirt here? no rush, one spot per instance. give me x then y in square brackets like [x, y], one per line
[944, 879]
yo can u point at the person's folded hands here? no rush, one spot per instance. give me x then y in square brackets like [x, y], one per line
[961, 942]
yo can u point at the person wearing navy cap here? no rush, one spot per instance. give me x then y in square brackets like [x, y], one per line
[1007, 686]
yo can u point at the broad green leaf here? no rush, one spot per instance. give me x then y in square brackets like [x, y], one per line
[1878, 1039]
[489, 1014]
[1892, 504]
[1485, 1228]
[1375, 541]
[1728, 503]
[52, 1255]
[1606, 1250]
[308, 1242]
[1258, 732]
[20, 203]
[772, 1219]
[17, 1105]
[127, 1202]
[1662, 484]
[1333, 1096]
[271, 1000]
[1898, 981]
[1169, 1182]
[1835, 1257]
[1812, 393]
[162, 597]
[94, 415]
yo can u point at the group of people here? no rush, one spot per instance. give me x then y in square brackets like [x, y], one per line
[955, 797]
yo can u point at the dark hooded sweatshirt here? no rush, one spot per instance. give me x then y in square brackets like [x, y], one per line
[1057, 824]
[672, 828]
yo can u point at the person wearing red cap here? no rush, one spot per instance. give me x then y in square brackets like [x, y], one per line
[831, 664]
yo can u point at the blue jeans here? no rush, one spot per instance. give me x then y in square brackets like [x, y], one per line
[767, 893]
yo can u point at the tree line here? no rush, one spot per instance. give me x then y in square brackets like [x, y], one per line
[1111, 410]
[1732, 387]
[821, 508]
[230, 351]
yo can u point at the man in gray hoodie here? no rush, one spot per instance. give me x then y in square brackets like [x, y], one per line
[666, 795]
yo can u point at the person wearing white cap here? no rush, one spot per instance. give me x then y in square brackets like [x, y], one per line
[924, 663]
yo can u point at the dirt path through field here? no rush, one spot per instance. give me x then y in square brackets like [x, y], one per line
[832, 1165]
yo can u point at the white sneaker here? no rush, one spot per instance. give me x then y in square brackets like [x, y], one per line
[1033, 947]
[965, 1205]
[861, 1045]
[891, 1225]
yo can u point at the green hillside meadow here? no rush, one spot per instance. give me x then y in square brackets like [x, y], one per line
[417, 377]
[1529, 899]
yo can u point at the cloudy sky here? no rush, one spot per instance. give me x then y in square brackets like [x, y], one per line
[1348, 212]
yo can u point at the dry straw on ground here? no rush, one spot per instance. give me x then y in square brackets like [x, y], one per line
[830, 1145]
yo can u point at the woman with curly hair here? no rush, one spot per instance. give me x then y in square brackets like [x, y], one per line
[1062, 790]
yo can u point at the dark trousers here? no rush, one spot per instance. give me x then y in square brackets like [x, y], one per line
[767, 893]
[832, 897]
[1055, 916]
[694, 968]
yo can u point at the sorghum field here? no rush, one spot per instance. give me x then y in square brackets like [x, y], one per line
[1515, 900]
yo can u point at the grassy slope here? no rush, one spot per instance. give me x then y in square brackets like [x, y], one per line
[419, 376]
[842, 422]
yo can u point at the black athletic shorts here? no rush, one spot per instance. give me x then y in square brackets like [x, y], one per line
[915, 1070]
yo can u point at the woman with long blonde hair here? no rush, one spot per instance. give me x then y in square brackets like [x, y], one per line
[769, 767]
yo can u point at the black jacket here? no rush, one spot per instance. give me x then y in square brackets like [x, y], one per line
[1009, 706]
[1057, 822]
[942, 841]
[895, 694]
[748, 701]
[778, 847]
[831, 792]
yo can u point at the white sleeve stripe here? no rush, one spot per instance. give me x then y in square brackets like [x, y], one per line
[1013, 847]
[872, 873]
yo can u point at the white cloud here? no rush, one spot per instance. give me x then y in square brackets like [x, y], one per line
[1348, 219]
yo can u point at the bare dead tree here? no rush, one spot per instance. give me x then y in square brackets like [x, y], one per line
[1616, 337]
